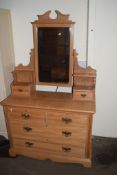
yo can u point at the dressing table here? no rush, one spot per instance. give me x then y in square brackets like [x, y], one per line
[52, 125]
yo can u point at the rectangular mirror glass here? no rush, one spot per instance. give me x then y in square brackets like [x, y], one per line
[53, 54]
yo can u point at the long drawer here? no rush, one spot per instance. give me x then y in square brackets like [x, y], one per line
[23, 116]
[47, 148]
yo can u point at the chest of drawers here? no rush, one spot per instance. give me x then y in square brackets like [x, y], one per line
[58, 129]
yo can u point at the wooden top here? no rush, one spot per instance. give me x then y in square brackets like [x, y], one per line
[60, 18]
[51, 100]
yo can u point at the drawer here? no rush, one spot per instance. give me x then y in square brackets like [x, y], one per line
[25, 116]
[67, 119]
[85, 95]
[30, 131]
[70, 136]
[21, 90]
[84, 81]
[49, 148]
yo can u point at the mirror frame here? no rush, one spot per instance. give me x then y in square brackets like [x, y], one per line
[60, 21]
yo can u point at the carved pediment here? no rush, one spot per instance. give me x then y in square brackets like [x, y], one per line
[60, 18]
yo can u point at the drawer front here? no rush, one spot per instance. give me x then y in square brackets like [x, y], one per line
[67, 133]
[67, 120]
[85, 95]
[84, 81]
[23, 116]
[70, 136]
[27, 131]
[58, 149]
[21, 90]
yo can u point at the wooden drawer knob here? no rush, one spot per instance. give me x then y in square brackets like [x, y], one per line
[29, 144]
[83, 95]
[27, 129]
[25, 116]
[66, 133]
[66, 149]
[66, 120]
[20, 90]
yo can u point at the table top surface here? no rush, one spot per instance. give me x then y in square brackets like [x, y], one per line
[51, 100]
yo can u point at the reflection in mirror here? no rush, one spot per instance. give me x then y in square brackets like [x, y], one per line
[53, 54]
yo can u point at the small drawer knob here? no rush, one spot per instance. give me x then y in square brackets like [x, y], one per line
[20, 90]
[83, 95]
[66, 120]
[66, 149]
[29, 144]
[28, 129]
[66, 133]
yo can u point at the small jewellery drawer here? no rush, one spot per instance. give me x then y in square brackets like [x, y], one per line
[84, 80]
[21, 90]
[85, 95]
[61, 149]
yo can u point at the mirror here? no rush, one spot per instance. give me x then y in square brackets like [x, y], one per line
[53, 54]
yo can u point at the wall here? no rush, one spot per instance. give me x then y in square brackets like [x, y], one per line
[2, 96]
[103, 56]
[6, 61]
[6, 48]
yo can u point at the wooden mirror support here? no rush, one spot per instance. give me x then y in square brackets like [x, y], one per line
[84, 81]
[24, 78]
[53, 47]
[31, 116]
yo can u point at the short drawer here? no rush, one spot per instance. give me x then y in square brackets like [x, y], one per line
[21, 90]
[68, 136]
[84, 95]
[25, 116]
[84, 81]
[67, 119]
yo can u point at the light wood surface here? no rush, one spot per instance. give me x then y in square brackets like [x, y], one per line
[51, 100]
[50, 125]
